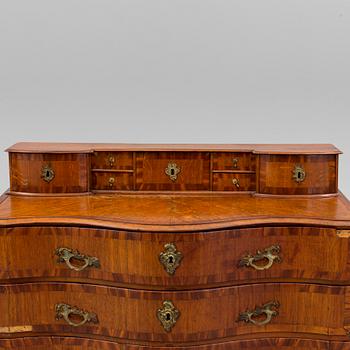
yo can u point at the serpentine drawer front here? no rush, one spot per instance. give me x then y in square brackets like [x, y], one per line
[182, 247]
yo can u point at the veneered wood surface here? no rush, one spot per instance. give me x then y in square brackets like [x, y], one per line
[33, 147]
[209, 258]
[276, 174]
[112, 160]
[194, 171]
[234, 161]
[121, 181]
[60, 343]
[225, 182]
[71, 173]
[175, 213]
[206, 315]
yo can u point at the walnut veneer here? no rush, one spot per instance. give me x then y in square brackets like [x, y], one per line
[208, 247]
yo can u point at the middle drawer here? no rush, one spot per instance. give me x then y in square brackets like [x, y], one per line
[174, 260]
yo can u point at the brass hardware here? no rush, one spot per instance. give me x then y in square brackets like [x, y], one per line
[111, 181]
[270, 254]
[66, 254]
[235, 181]
[235, 163]
[65, 311]
[170, 258]
[111, 160]
[343, 233]
[172, 170]
[299, 173]
[47, 173]
[168, 315]
[269, 310]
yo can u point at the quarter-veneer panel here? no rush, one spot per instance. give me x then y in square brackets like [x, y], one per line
[276, 174]
[58, 343]
[204, 315]
[208, 258]
[71, 172]
[193, 171]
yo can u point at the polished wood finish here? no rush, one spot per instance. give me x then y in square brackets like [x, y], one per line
[205, 315]
[209, 258]
[276, 174]
[105, 234]
[71, 172]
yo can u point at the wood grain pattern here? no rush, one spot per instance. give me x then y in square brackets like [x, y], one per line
[121, 181]
[225, 161]
[206, 315]
[71, 173]
[209, 258]
[112, 160]
[276, 174]
[60, 343]
[225, 182]
[175, 213]
[193, 176]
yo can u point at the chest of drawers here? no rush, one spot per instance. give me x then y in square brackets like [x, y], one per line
[209, 247]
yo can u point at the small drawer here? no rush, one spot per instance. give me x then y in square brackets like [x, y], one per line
[112, 181]
[233, 161]
[112, 160]
[233, 182]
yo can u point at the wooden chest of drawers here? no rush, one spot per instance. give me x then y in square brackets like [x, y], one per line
[209, 247]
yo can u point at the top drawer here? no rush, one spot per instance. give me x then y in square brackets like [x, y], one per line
[233, 161]
[112, 160]
[175, 260]
[49, 173]
[298, 174]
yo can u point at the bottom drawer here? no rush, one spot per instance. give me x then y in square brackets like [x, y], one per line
[233, 182]
[57, 343]
[174, 317]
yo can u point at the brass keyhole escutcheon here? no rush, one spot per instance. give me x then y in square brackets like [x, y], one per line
[170, 258]
[168, 315]
[172, 170]
[299, 174]
[47, 173]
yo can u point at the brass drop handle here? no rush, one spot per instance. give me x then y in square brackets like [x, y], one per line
[235, 181]
[65, 255]
[65, 311]
[111, 181]
[235, 163]
[268, 310]
[270, 254]
[111, 161]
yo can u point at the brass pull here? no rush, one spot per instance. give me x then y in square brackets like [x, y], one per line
[170, 258]
[111, 160]
[299, 174]
[270, 254]
[168, 315]
[65, 311]
[269, 310]
[235, 163]
[47, 173]
[66, 254]
[111, 181]
[235, 181]
[172, 170]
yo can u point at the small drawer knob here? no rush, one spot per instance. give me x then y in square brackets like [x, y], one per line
[235, 163]
[235, 182]
[111, 181]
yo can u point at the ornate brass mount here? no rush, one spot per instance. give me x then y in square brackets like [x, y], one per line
[47, 173]
[66, 254]
[235, 181]
[268, 310]
[269, 254]
[299, 174]
[111, 181]
[235, 163]
[111, 160]
[170, 258]
[65, 311]
[168, 315]
[172, 170]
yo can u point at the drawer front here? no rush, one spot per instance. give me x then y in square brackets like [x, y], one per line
[112, 181]
[71, 343]
[233, 161]
[49, 173]
[112, 160]
[233, 182]
[175, 261]
[296, 174]
[176, 317]
[172, 171]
